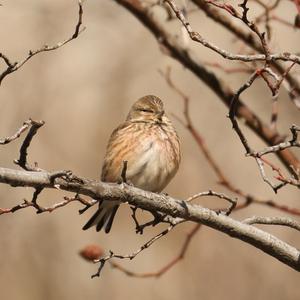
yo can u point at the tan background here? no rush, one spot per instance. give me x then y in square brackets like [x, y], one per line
[82, 92]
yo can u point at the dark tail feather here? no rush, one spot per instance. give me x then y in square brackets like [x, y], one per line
[92, 220]
[101, 222]
[103, 217]
[111, 219]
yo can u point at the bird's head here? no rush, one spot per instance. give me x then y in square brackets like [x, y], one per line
[148, 109]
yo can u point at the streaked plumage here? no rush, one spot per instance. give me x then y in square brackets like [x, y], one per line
[149, 143]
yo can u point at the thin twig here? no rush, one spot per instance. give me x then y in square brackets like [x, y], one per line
[172, 47]
[284, 221]
[292, 85]
[166, 267]
[18, 133]
[195, 36]
[232, 201]
[12, 67]
[233, 109]
[157, 218]
[223, 179]
[131, 256]
[41, 209]
[281, 146]
[22, 161]
[260, 164]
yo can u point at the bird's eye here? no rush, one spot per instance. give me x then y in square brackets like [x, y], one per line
[146, 110]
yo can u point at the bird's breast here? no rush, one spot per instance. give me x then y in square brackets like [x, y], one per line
[155, 160]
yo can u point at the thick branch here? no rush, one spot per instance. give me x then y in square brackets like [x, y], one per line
[159, 203]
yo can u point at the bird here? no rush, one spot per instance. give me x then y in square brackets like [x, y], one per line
[149, 144]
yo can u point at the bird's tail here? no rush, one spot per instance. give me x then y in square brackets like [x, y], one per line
[104, 216]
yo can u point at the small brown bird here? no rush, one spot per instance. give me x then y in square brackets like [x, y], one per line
[149, 143]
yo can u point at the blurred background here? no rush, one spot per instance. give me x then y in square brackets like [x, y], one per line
[83, 91]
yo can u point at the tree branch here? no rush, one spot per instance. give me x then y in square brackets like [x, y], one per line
[283, 221]
[195, 36]
[166, 267]
[18, 133]
[12, 67]
[250, 40]
[22, 161]
[181, 54]
[131, 256]
[224, 178]
[264, 241]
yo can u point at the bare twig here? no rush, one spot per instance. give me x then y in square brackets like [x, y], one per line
[12, 67]
[22, 161]
[244, 18]
[284, 221]
[292, 85]
[260, 164]
[268, 243]
[40, 209]
[18, 133]
[292, 181]
[273, 149]
[232, 201]
[233, 109]
[173, 48]
[166, 267]
[131, 256]
[249, 151]
[223, 179]
[7, 60]
[281, 146]
[157, 218]
[195, 36]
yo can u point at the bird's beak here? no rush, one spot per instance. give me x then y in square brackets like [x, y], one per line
[160, 115]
